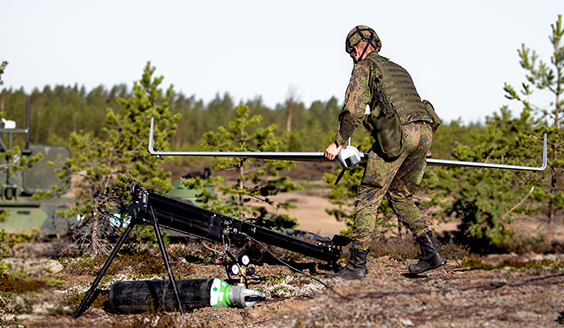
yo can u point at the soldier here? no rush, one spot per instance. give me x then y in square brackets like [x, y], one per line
[379, 82]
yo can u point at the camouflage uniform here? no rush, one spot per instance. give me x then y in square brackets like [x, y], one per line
[397, 178]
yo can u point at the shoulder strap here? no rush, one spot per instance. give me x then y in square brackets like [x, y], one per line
[378, 92]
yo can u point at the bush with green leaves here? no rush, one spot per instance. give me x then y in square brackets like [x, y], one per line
[488, 201]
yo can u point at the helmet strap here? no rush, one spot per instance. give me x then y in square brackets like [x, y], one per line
[364, 50]
[369, 42]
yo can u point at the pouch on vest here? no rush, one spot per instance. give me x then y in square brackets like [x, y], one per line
[431, 111]
[386, 128]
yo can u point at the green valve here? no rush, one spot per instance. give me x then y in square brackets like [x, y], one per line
[219, 294]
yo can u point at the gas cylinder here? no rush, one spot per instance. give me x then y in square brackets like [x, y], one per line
[140, 296]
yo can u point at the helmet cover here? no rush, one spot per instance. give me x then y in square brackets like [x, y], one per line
[362, 33]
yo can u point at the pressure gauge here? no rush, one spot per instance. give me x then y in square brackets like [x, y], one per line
[235, 269]
[244, 259]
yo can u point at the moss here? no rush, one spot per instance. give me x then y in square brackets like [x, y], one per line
[97, 300]
[20, 285]
[535, 267]
[56, 283]
[475, 263]
[84, 265]
[61, 312]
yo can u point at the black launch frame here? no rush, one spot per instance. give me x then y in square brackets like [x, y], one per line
[159, 210]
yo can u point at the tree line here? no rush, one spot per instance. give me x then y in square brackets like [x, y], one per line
[58, 111]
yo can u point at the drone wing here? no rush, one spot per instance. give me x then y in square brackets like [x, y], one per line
[320, 157]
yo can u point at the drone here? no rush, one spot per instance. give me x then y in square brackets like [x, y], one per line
[348, 157]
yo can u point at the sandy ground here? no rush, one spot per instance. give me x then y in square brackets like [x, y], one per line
[310, 212]
[311, 215]
[452, 296]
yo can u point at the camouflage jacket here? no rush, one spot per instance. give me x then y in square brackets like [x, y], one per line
[357, 97]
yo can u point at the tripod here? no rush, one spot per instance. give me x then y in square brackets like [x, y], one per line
[152, 219]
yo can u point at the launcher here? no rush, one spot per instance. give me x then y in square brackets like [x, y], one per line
[161, 211]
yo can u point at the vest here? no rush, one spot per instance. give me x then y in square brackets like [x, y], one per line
[393, 96]
[397, 85]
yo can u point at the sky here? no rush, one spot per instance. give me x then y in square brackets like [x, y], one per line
[459, 53]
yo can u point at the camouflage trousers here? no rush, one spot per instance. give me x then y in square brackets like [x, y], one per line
[398, 179]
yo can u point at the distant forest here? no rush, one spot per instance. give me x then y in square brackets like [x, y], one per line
[58, 111]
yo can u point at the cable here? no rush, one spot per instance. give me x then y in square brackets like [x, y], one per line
[493, 285]
[299, 271]
[536, 279]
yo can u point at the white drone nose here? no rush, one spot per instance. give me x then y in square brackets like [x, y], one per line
[349, 156]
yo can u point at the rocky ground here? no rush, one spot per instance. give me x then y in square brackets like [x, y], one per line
[499, 290]
[496, 291]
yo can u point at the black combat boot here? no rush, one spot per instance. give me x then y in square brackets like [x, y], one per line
[431, 257]
[355, 268]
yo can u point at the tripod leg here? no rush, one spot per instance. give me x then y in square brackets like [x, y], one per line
[165, 258]
[103, 271]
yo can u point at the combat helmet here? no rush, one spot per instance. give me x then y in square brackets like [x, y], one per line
[362, 33]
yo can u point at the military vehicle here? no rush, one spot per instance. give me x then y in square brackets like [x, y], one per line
[25, 215]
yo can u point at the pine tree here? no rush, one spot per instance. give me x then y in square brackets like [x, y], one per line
[256, 179]
[482, 199]
[487, 201]
[543, 76]
[2, 68]
[105, 169]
